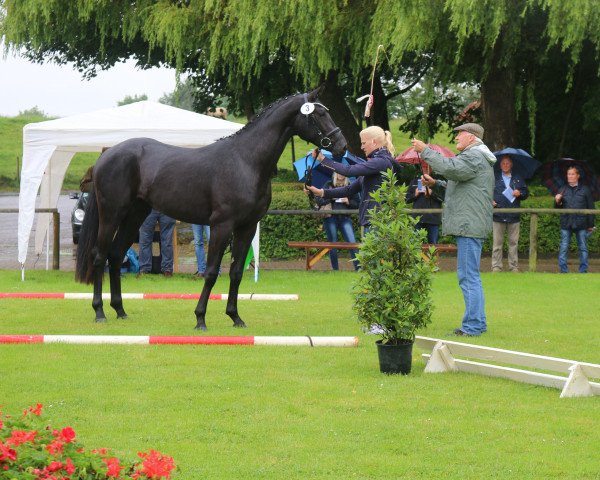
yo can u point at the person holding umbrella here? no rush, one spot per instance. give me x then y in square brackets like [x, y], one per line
[574, 195]
[423, 197]
[509, 190]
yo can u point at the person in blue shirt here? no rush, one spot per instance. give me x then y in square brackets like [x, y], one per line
[201, 233]
[509, 190]
[343, 223]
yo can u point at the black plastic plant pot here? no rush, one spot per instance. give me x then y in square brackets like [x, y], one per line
[394, 359]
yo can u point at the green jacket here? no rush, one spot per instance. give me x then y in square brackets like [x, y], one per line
[469, 192]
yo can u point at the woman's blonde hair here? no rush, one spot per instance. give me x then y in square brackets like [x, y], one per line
[383, 137]
[338, 180]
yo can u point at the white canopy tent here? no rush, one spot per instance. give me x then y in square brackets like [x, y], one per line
[48, 148]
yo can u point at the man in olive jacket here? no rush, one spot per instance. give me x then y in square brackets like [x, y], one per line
[467, 213]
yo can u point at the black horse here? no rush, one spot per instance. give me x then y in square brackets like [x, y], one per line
[226, 185]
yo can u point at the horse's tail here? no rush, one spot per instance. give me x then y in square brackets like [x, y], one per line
[84, 270]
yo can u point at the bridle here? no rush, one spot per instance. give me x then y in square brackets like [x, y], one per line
[307, 110]
[308, 170]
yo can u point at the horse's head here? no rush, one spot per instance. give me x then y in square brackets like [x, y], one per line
[314, 124]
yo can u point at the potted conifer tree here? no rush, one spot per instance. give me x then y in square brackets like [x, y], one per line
[392, 294]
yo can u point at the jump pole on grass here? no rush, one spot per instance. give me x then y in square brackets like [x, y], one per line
[283, 341]
[148, 296]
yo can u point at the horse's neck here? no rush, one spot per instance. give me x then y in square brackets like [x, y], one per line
[267, 140]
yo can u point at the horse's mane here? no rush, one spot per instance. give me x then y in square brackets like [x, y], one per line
[265, 111]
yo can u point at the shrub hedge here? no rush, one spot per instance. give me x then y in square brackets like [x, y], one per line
[276, 230]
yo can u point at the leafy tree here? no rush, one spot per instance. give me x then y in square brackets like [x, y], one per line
[253, 52]
[129, 99]
[507, 46]
[34, 111]
[181, 97]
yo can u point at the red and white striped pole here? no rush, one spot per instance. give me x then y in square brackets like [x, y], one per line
[184, 340]
[148, 296]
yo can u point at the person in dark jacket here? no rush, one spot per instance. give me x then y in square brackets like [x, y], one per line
[343, 223]
[425, 197]
[378, 147]
[509, 190]
[574, 195]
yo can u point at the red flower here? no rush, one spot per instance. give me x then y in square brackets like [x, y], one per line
[101, 451]
[19, 437]
[155, 465]
[69, 467]
[37, 411]
[114, 467]
[54, 466]
[55, 447]
[67, 434]
[7, 453]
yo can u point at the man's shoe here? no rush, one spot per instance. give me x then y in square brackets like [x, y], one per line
[199, 275]
[168, 274]
[457, 332]
[140, 274]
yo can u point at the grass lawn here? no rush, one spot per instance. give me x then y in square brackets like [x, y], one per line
[297, 412]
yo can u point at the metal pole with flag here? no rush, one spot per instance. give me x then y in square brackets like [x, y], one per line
[253, 252]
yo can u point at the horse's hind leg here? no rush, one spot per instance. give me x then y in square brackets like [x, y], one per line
[97, 304]
[219, 237]
[123, 240]
[242, 237]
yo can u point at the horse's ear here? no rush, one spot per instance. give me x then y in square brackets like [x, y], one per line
[314, 94]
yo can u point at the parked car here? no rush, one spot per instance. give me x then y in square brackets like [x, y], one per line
[77, 214]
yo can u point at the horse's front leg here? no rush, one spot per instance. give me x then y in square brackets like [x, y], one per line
[242, 237]
[219, 236]
[125, 236]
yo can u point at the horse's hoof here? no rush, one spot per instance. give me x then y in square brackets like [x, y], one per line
[123, 316]
[201, 327]
[239, 324]
[101, 320]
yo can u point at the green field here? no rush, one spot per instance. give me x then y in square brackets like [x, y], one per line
[296, 412]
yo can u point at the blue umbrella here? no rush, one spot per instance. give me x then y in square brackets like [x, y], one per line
[321, 174]
[523, 163]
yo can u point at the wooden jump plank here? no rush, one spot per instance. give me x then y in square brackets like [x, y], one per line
[519, 375]
[499, 355]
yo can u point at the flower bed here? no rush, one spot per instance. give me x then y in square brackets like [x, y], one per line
[30, 449]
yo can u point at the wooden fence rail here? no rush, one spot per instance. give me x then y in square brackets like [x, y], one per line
[533, 220]
[55, 231]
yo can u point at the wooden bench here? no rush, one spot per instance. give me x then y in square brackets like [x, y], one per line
[324, 247]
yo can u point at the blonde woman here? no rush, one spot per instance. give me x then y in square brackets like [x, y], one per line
[343, 223]
[378, 147]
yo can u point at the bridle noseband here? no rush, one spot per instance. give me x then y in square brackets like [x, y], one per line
[307, 109]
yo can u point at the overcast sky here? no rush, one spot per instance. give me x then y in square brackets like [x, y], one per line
[60, 91]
